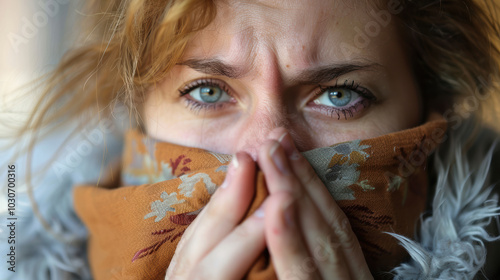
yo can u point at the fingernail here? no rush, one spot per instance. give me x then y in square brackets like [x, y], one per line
[225, 183]
[259, 213]
[235, 162]
[289, 147]
[232, 167]
[277, 158]
[282, 137]
[288, 213]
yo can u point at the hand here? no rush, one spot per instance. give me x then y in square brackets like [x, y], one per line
[216, 245]
[307, 234]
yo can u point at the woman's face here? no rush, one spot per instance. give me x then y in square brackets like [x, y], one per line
[328, 71]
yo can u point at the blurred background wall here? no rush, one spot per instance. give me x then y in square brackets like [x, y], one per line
[34, 35]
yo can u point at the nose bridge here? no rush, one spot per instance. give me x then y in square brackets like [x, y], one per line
[266, 117]
[269, 110]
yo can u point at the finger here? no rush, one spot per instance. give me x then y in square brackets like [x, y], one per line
[306, 174]
[234, 255]
[287, 170]
[225, 209]
[303, 171]
[188, 233]
[192, 228]
[273, 162]
[324, 245]
[281, 180]
[332, 215]
[285, 242]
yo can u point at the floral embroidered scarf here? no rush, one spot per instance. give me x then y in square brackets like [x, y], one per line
[380, 184]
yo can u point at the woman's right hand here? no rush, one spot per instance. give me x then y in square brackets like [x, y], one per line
[215, 245]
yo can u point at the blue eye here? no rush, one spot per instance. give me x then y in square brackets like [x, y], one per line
[337, 97]
[209, 94]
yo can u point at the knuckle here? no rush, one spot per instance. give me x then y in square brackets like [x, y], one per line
[178, 269]
[310, 176]
[241, 231]
[220, 210]
[200, 273]
[332, 257]
[204, 270]
[344, 233]
[334, 216]
[327, 250]
[338, 220]
[286, 248]
[215, 209]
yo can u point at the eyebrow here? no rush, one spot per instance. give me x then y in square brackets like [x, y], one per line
[318, 75]
[213, 67]
[325, 74]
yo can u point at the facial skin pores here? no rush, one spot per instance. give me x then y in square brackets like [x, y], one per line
[259, 66]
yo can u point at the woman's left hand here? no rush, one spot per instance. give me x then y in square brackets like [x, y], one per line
[307, 234]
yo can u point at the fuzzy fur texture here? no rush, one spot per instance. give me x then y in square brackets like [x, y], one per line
[450, 245]
[39, 254]
[451, 242]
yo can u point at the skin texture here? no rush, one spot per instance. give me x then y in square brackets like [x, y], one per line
[270, 44]
[270, 116]
[215, 246]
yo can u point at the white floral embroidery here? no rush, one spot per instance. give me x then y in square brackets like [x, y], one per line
[222, 168]
[345, 149]
[339, 178]
[160, 208]
[366, 186]
[187, 186]
[222, 158]
[130, 176]
[395, 183]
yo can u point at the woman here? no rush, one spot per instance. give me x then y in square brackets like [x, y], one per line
[266, 81]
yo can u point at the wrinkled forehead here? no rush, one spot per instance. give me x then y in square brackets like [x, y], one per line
[305, 32]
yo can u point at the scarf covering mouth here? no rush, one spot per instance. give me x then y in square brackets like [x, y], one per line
[379, 183]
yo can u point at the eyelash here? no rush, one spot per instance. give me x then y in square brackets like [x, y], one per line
[197, 106]
[367, 96]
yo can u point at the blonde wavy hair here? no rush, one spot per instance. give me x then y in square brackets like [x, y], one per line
[131, 45]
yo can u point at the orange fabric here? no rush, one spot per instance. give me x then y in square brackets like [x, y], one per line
[379, 183]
